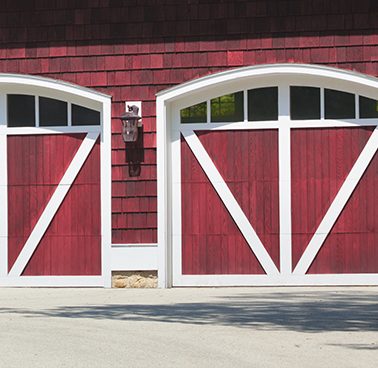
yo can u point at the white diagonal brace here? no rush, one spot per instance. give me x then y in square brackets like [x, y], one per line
[54, 204]
[338, 204]
[230, 202]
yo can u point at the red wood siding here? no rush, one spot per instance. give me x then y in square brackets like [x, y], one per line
[72, 242]
[132, 50]
[321, 160]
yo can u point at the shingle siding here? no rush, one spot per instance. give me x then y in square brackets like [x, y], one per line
[133, 49]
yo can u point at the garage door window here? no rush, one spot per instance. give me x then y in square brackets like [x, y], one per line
[304, 103]
[33, 111]
[194, 114]
[21, 111]
[339, 105]
[227, 108]
[52, 112]
[84, 116]
[261, 105]
[368, 108]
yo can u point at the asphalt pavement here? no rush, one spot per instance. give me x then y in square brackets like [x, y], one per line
[191, 327]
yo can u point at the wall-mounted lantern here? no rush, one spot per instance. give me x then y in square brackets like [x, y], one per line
[130, 124]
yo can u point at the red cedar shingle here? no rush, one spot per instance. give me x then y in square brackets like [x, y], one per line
[235, 58]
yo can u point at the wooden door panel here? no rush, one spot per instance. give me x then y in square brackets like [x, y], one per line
[321, 159]
[248, 162]
[72, 242]
[351, 246]
[211, 241]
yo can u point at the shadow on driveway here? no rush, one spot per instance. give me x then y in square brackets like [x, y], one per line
[316, 311]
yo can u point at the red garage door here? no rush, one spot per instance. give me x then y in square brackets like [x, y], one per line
[54, 184]
[276, 185]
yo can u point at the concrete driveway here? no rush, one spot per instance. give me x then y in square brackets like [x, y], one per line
[212, 327]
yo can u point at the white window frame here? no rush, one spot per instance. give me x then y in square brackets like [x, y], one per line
[37, 86]
[169, 129]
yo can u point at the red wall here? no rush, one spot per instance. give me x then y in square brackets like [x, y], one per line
[131, 52]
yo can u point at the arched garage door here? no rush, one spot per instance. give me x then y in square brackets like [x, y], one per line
[52, 142]
[274, 178]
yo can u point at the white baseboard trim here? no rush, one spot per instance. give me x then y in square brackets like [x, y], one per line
[134, 258]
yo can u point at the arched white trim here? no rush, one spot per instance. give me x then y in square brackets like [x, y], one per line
[52, 84]
[40, 86]
[272, 70]
[170, 101]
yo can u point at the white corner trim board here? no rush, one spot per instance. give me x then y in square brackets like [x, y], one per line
[53, 205]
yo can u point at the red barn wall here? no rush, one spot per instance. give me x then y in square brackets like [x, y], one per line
[133, 49]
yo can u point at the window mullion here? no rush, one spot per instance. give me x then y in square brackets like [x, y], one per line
[245, 105]
[69, 114]
[208, 111]
[321, 103]
[357, 106]
[283, 102]
[36, 101]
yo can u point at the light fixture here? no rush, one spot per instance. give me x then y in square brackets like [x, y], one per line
[130, 124]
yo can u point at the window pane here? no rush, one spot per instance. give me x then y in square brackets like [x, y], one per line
[304, 103]
[339, 105]
[227, 108]
[84, 116]
[263, 104]
[194, 114]
[368, 108]
[21, 110]
[52, 112]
